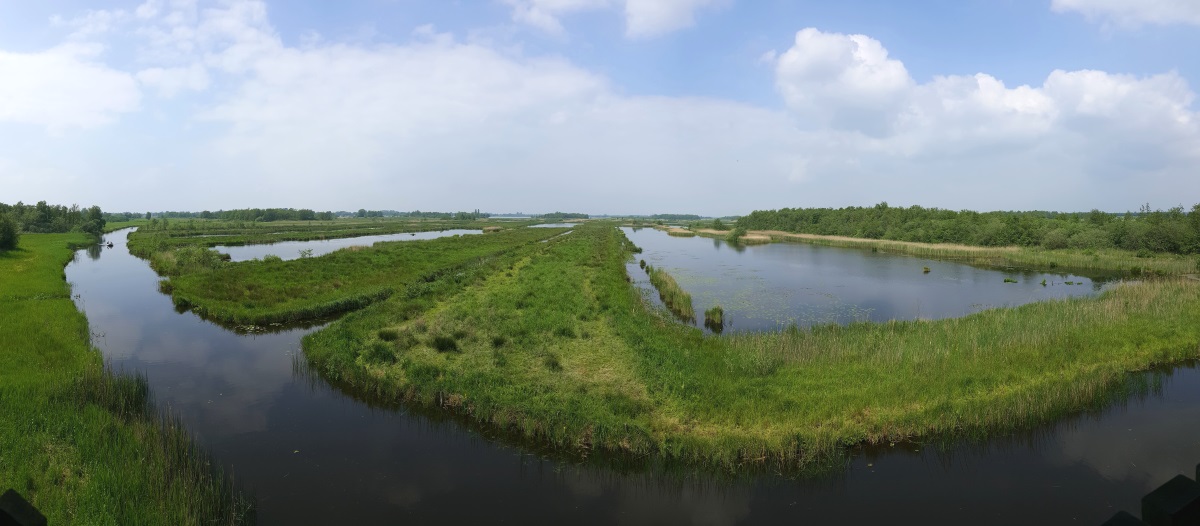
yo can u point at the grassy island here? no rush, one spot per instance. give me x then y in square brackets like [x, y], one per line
[543, 336]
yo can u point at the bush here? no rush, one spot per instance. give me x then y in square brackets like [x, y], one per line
[1056, 239]
[9, 236]
[1091, 238]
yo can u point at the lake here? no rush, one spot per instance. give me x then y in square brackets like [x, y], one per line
[769, 287]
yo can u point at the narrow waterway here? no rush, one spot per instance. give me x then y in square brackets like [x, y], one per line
[314, 455]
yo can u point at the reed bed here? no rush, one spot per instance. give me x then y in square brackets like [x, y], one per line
[677, 300]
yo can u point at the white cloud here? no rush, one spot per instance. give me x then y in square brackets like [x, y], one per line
[643, 18]
[846, 81]
[1134, 13]
[63, 88]
[648, 18]
[170, 81]
[1080, 126]
[443, 123]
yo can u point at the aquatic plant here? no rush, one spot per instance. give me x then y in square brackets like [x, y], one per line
[677, 300]
[714, 318]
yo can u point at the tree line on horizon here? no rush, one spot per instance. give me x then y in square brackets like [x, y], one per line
[291, 214]
[1174, 230]
[43, 218]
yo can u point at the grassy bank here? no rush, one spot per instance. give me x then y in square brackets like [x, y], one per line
[1115, 260]
[82, 444]
[262, 292]
[559, 348]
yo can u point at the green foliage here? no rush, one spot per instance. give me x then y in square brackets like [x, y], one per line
[9, 234]
[562, 215]
[1171, 231]
[717, 224]
[735, 235]
[45, 218]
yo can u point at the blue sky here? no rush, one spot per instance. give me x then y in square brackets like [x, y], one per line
[602, 106]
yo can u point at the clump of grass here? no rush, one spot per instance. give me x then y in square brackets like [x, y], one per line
[926, 270]
[389, 335]
[552, 361]
[714, 318]
[444, 344]
[1009, 280]
[672, 295]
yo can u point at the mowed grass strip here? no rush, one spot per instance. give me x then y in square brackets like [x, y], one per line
[562, 349]
[82, 444]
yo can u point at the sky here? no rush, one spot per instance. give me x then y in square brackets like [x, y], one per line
[711, 107]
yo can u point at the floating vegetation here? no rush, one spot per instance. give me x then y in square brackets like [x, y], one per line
[1009, 280]
[926, 270]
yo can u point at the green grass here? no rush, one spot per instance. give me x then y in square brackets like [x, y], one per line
[549, 341]
[558, 347]
[262, 292]
[82, 444]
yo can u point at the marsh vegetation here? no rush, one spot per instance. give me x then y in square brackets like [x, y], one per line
[82, 443]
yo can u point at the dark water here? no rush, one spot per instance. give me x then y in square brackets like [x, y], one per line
[314, 455]
[555, 225]
[767, 287]
[287, 250]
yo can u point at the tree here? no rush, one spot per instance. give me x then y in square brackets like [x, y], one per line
[147, 216]
[94, 224]
[9, 236]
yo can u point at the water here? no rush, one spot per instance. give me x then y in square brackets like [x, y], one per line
[288, 250]
[555, 225]
[314, 455]
[767, 287]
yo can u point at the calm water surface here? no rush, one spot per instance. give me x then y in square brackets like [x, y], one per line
[767, 287]
[314, 455]
[288, 250]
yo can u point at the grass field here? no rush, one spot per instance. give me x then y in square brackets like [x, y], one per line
[82, 444]
[262, 292]
[559, 348]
